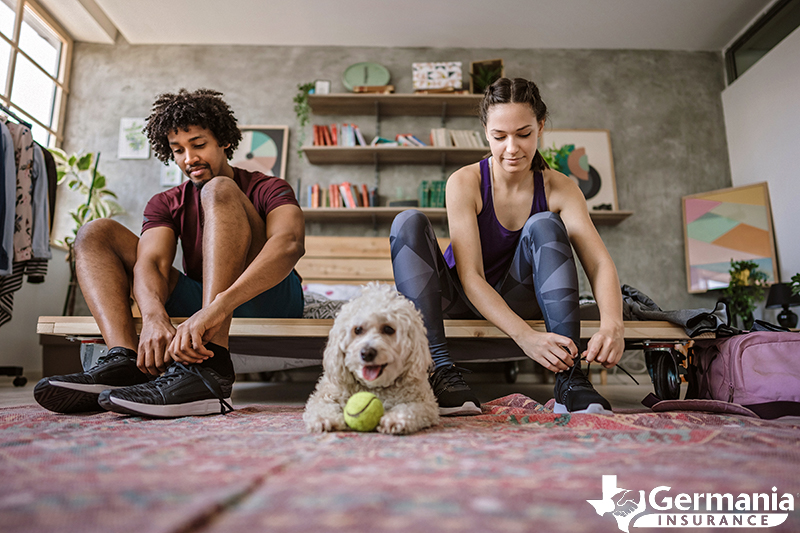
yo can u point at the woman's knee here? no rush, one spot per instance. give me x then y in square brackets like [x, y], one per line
[410, 222]
[546, 226]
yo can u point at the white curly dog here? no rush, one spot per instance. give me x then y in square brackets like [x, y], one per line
[377, 344]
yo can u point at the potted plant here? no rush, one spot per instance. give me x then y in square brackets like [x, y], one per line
[303, 111]
[747, 286]
[81, 175]
[796, 283]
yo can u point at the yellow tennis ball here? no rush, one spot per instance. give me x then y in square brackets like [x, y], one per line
[363, 411]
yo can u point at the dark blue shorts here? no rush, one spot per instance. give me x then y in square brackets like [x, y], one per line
[284, 300]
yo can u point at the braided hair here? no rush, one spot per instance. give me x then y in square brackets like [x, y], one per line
[516, 91]
[204, 108]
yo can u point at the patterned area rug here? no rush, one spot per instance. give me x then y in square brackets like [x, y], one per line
[517, 467]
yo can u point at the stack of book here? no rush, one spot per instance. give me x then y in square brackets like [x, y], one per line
[406, 139]
[431, 193]
[345, 195]
[458, 138]
[338, 135]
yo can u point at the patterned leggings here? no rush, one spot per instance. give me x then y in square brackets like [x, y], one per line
[542, 281]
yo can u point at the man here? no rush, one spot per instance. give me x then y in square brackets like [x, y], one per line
[241, 234]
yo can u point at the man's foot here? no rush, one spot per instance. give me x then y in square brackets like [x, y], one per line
[183, 390]
[574, 393]
[75, 393]
[452, 392]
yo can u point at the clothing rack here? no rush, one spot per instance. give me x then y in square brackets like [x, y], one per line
[13, 115]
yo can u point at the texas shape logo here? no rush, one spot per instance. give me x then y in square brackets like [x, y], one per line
[621, 503]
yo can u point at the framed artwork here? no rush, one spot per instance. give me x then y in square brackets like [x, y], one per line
[727, 225]
[484, 73]
[132, 143]
[322, 87]
[586, 157]
[436, 75]
[263, 149]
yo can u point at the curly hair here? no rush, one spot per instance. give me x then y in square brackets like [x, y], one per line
[204, 108]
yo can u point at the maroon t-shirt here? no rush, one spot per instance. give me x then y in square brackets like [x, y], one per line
[179, 208]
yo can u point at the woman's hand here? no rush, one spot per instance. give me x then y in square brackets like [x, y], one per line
[552, 351]
[605, 347]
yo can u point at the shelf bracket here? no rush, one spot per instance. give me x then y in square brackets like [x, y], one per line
[377, 118]
[444, 113]
[377, 171]
[444, 160]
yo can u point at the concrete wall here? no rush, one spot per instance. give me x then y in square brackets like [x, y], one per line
[663, 110]
[762, 114]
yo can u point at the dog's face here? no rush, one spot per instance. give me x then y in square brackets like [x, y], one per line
[377, 338]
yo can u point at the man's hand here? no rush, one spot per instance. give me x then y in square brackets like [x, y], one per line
[605, 347]
[552, 351]
[153, 357]
[188, 345]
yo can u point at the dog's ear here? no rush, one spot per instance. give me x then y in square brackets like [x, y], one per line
[415, 340]
[334, 353]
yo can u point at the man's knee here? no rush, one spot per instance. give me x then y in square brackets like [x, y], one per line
[101, 231]
[221, 190]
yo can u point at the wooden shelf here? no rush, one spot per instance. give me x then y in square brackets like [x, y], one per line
[600, 218]
[413, 155]
[322, 214]
[392, 105]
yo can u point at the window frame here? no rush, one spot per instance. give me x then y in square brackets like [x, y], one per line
[56, 135]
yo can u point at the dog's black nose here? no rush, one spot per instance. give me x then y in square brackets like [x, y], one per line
[368, 354]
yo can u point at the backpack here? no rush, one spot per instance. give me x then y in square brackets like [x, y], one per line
[756, 373]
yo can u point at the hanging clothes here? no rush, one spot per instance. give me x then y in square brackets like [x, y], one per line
[8, 174]
[26, 219]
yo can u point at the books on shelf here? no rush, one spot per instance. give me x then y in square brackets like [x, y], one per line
[374, 89]
[432, 193]
[338, 135]
[345, 195]
[444, 137]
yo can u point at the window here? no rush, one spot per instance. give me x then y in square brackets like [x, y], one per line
[781, 20]
[34, 59]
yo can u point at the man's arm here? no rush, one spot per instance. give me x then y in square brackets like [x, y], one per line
[151, 287]
[285, 235]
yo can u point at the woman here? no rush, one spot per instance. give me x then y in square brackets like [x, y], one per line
[512, 220]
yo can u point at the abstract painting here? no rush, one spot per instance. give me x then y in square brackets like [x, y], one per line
[263, 149]
[585, 156]
[727, 225]
[132, 142]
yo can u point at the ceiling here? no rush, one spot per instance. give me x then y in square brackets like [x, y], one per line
[594, 24]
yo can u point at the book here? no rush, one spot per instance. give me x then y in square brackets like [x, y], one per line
[415, 140]
[334, 135]
[373, 197]
[347, 195]
[424, 193]
[359, 136]
[377, 89]
[365, 196]
[356, 195]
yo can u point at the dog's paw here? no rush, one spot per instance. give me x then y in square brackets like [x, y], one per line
[392, 424]
[319, 424]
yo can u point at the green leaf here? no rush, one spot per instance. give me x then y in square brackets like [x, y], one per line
[99, 182]
[106, 192]
[72, 159]
[85, 162]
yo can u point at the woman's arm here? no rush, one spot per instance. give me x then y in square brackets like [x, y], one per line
[565, 198]
[463, 205]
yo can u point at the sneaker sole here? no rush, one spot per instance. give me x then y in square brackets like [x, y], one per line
[592, 409]
[66, 398]
[127, 407]
[468, 409]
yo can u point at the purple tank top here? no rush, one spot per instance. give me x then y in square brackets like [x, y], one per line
[497, 243]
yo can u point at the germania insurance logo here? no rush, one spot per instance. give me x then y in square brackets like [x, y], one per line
[670, 509]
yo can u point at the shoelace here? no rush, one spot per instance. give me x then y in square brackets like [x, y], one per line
[448, 376]
[578, 359]
[177, 369]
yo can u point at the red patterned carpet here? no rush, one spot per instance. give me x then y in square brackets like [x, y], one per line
[518, 467]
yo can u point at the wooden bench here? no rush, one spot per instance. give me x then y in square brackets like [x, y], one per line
[333, 260]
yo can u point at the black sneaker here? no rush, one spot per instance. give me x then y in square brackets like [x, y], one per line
[75, 393]
[452, 392]
[183, 390]
[574, 393]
